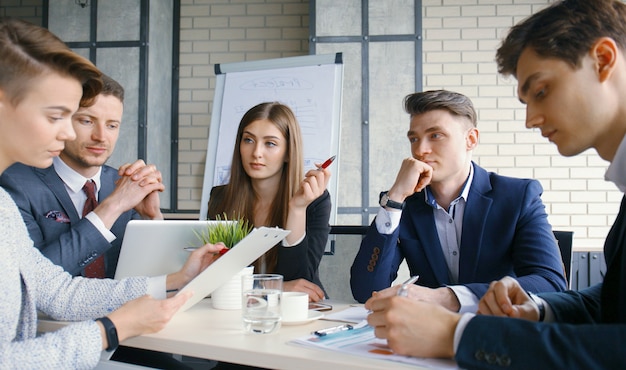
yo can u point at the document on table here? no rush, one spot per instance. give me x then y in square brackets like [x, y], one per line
[353, 314]
[360, 341]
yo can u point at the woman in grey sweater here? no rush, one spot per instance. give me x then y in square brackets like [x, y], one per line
[42, 82]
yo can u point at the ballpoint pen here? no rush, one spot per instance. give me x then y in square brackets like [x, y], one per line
[327, 163]
[332, 330]
[404, 289]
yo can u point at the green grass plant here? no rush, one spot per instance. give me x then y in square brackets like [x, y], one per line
[229, 233]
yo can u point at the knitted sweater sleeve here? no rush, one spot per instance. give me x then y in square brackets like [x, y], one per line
[32, 283]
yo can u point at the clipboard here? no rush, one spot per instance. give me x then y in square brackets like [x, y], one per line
[250, 248]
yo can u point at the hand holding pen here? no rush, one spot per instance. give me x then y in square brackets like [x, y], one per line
[404, 288]
[326, 163]
[313, 184]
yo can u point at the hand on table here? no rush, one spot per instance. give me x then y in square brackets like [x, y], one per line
[443, 296]
[145, 315]
[302, 285]
[506, 297]
[413, 328]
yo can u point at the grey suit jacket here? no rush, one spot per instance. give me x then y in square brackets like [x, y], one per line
[53, 223]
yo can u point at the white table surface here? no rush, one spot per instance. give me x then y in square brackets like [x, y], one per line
[208, 333]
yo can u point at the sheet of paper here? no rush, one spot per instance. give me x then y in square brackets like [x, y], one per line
[361, 342]
[259, 241]
[354, 314]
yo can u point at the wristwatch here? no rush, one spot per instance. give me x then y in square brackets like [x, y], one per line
[539, 302]
[111, 333]
[386, 202]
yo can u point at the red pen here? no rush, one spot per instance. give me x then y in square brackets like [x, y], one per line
[327, 163]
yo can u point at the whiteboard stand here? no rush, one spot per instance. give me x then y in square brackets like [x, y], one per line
[310, 85]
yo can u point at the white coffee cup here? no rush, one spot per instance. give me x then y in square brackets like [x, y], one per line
[294, 306]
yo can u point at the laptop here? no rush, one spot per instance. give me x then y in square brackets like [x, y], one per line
[157, 247]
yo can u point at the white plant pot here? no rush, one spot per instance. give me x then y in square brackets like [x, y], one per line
[228, 296]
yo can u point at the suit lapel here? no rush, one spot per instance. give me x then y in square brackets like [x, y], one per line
[108, 177]
[474, 221]
[57, 187]
[424, 223]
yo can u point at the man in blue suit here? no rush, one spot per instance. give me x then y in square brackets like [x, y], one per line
[458, 226]
[570, 63]
[51, 200]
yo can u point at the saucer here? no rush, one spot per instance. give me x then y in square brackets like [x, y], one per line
[313, 315]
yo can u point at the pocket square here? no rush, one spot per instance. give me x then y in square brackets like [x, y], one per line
[58, 216]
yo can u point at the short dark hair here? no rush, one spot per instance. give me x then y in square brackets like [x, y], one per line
[28, 51]
[453, 102]
[112, 88]
[565, 30]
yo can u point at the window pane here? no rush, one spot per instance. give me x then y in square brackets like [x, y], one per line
[118, 20]
[391, 79]
[338, 18]
[395, 17]
[68, 20]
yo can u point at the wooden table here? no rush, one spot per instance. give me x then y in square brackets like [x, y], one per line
[208, 333]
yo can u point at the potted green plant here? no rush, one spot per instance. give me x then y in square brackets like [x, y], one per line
[228, 233]
[227, 296]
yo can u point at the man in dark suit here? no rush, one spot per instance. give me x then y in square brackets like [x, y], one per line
[570, 63]
[457, 226]
[51, 200]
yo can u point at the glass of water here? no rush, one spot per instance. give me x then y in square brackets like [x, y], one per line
[261, 302]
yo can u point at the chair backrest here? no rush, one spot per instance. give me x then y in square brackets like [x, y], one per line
[564, 239]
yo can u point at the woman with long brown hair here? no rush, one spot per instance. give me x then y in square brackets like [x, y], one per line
[267, 187]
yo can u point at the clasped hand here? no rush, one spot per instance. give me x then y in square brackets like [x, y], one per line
[506, 297]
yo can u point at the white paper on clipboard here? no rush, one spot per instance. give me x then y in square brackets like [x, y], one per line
[259, 241]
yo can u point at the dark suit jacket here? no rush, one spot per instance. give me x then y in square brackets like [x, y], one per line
[53, 223]
[505, 232]
[590, 332]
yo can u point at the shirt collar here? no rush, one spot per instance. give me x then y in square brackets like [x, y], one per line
[71, 178]
[616, 173]
[430, 197]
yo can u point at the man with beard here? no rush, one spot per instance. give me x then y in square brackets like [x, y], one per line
[82, 240]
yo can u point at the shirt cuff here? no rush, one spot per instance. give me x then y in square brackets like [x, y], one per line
[97, 222]
[285, 244]
[387, 221]
[460, 328]
[156, 287]
[467, 299]
[549, 314]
